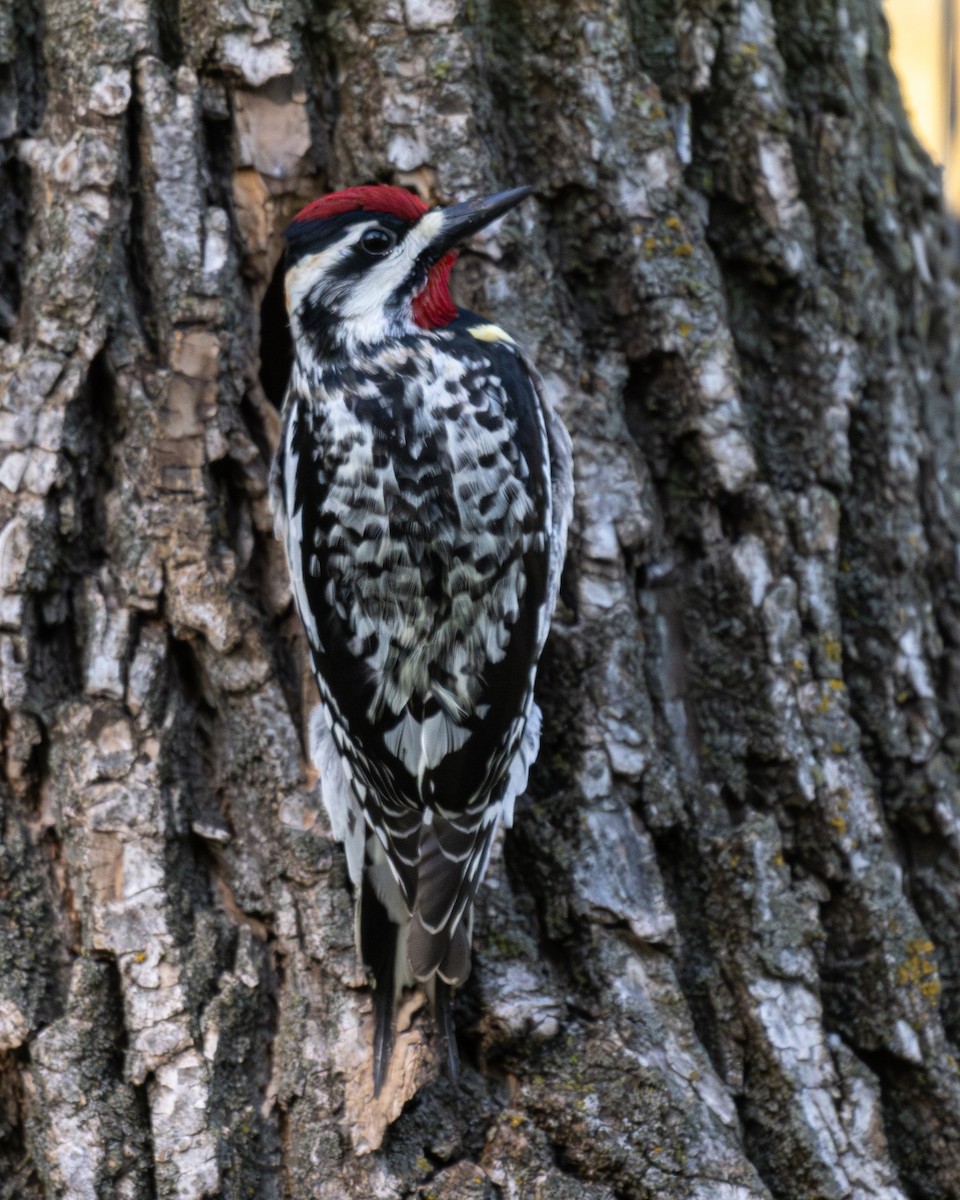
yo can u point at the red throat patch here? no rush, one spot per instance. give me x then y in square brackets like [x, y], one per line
[433, 307]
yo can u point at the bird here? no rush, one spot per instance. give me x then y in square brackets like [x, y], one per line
[422, 490]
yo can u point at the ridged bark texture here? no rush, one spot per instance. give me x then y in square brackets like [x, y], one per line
[719, 955]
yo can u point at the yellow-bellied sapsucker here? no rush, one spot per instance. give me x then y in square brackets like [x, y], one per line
[423, 490]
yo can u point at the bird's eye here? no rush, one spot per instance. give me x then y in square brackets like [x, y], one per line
[378, 241]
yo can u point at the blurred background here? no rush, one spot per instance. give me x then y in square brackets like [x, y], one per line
[924, 49]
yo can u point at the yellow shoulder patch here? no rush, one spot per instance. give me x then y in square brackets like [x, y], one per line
[490, 333]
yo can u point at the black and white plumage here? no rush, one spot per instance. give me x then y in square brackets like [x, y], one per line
[423, 490]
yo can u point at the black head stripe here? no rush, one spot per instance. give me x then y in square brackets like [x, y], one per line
[310, 237]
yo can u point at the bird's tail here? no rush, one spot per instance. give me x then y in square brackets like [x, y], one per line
[385, 933]
[383, 927]
[379, 939]
[383, 918]
[443, 1013]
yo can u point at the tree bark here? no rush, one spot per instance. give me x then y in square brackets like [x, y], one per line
[719, 955]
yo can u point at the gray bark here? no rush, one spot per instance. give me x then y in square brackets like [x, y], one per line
[718, 957]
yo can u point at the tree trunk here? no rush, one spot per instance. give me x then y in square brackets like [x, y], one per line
[719, 956]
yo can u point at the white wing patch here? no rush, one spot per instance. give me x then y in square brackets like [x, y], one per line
[421, 746]
[339, 799]
[521, 763]
[441, 737]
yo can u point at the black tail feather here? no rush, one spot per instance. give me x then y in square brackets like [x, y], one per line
[383, 1035]
[446, 1029]
[378, 948]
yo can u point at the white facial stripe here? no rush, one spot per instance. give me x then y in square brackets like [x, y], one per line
[427, 228]
[379, 282]
[360, 305]
[303, 276]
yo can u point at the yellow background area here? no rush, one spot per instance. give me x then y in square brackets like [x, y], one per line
[918, 31]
